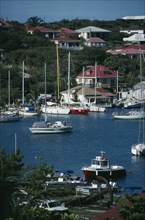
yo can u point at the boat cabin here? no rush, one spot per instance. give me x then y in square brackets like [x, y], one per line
[100, 162]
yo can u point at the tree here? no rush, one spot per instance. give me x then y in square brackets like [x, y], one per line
[10, 171]
[34, 21]
[135, 210]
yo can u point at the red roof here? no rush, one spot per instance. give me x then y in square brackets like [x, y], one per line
[95, 40]
[101, 72]
[67, 31]
[5, 23]
[42, 29]
[113, 212]
[128, 51]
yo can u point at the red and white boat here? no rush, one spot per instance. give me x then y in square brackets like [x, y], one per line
[78, 109]
[100, 166]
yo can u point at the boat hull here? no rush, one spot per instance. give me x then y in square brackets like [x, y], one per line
[130, 115]
[94, 108]
[110, 173]
[10, 118]
[79, 111]
[50, 130]
[55, 110]
[138, 150]
[28, 113]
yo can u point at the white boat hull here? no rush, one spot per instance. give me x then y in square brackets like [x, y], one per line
[95, 108]
[138, 150]
[28, 113]
[48, 128]
[130, 115]
[49, 131]
[10, 118]
[56, 110]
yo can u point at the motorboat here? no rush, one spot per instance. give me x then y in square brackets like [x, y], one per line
[133, 114]
[65, 178]
[53, 205]
[138, 149]
[100, 166]
[42, 127]
[95, 187]
[53, 108]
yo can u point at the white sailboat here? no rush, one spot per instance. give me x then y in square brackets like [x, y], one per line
[132, 114]
[93, 106]
[51, 107]
[45, 127]
[139, 148]
[26, 110]
[10, 115]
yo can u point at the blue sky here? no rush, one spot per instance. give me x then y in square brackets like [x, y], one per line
[55, 10]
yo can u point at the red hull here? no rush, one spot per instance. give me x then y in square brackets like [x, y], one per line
[92, 175]
[79, 111]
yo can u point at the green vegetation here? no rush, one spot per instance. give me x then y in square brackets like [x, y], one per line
[22, 187]
[134, 209]
[35, 50]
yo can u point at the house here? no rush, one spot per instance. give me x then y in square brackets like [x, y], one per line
[135, 38]
[68, 43]
[86, 95]
[131, 50]
[95, 42]
[4, 24]
[137, 92]
[133, 30]
[49, 33]
[93, 32]
[68, 33]
[105, 77]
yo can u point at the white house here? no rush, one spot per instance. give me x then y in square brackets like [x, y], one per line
[135, 38]
[91, 32]
[105, 78]
[95, 42]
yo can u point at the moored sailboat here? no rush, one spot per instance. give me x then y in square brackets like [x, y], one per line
[139, 148]
[93, 106]
[46, 127]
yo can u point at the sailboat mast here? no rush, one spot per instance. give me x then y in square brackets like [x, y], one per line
[15, 144]
[69, 77]
[95, 79]
[9, 88]
[45, 84]
[117, 83]
[58, 72]
[23, 84]
[83, 83]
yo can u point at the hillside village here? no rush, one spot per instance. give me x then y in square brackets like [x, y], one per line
[85, 64]
[107, 79]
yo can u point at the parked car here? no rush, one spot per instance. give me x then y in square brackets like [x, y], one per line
[53, 205]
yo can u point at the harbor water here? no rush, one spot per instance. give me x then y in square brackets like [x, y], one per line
[91, 134]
